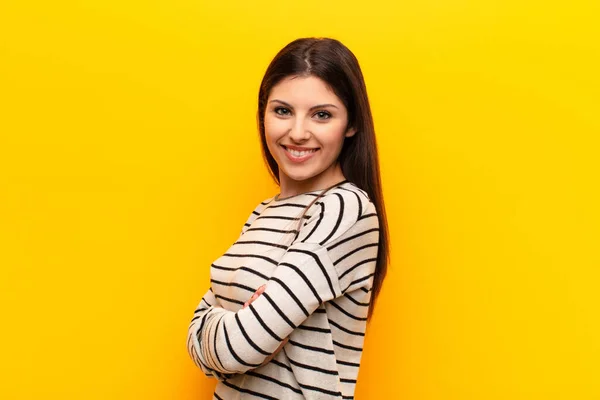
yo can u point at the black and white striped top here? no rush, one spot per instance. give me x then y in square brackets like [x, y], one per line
[317, 293]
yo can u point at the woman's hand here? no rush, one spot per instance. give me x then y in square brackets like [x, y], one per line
[255, 295]
[246, 304]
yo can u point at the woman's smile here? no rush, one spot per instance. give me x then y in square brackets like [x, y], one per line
[298, 156]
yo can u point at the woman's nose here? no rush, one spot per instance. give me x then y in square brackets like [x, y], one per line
[298, 132]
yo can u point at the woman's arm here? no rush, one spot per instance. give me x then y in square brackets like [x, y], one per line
[306, 277]
[196, 325]
[208, 301]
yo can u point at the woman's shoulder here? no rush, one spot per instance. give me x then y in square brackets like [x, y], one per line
[346, 203]
[340, 209]
[256, 212]
[349, 196]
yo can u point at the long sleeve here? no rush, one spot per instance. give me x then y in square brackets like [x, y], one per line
[193, 345]
[207, 303]
[307, 276]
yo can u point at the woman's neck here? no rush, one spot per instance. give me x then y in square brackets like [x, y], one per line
[290, 187]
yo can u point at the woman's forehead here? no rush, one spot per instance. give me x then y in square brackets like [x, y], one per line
[304, 92]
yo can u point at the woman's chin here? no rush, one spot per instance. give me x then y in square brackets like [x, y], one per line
[299, 175]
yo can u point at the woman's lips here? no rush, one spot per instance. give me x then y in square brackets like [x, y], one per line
[300, 159]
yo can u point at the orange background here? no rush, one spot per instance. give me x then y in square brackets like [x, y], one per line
[129, 160]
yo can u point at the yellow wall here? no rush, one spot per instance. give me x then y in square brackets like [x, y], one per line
[129, 160]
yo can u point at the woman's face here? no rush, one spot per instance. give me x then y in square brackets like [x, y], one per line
[302, 113]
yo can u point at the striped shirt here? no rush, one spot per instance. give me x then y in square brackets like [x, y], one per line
[318, 289]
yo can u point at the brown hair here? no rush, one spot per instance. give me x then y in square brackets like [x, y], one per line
[332, 62]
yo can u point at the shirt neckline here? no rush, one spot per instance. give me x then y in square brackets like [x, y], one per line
[276, 198]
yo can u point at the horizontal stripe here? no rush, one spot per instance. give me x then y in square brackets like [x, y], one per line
[313, 368]
[248, 255]
[280, 364]
[272, 230]
[340, 327]
[352, 237]
[318, 389]
[345, 346]
[252, 392]
[312, 348]
[354, 251]
[241, 286]
[359, 280]
[288, 205]
[314, 329]
[271, 379]
[281, 246]
[352, 299]
[250, 270]
[281, 217]
[348, 363]
[352, 268]
[218, 296]
[341, 309]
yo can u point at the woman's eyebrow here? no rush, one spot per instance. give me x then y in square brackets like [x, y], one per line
[310, 109]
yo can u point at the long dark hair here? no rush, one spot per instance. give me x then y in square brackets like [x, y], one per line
[332, 62]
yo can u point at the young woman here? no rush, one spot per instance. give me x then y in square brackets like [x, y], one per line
[286, 313]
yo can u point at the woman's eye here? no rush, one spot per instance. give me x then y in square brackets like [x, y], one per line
[323, 115]
[281, 109]
[284, 112]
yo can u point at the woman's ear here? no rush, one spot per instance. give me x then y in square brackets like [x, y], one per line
[350, 132]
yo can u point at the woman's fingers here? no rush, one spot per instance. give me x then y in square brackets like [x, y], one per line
[255, 295]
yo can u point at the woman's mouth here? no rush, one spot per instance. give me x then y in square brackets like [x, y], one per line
[299, 156]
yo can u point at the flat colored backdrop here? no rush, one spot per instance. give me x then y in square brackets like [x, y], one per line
[129, 160]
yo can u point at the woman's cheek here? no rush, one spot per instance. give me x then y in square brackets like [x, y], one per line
[330, 135]
[273, 119]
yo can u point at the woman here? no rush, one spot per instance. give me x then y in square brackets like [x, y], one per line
[286, 313]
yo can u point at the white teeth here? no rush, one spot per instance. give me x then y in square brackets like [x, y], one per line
[300, 153]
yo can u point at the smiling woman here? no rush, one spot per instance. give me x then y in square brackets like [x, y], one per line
[312, 126]
[286, 314]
